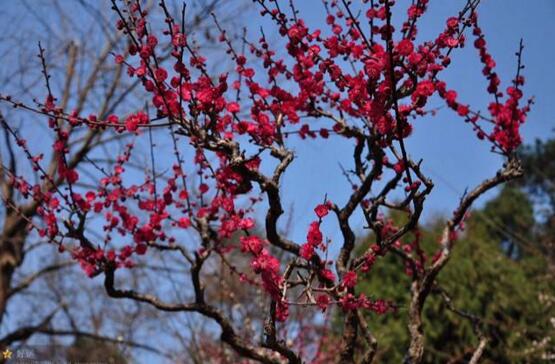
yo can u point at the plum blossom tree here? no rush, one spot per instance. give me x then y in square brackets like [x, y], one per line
[44, 297]
[217, 144]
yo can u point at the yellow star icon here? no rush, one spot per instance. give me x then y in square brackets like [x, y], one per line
[7, 354]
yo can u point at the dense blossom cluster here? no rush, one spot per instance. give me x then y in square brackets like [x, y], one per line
[234, 127]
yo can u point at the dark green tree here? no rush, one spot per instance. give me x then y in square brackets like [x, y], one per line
[497, 275]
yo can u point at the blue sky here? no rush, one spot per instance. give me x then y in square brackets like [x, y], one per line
[453, 157]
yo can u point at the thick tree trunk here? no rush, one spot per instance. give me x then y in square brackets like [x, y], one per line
[416, 348]
[11, 255]
[349, 339]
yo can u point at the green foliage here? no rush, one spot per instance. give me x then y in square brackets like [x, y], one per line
[509, 219]
[483, 279]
